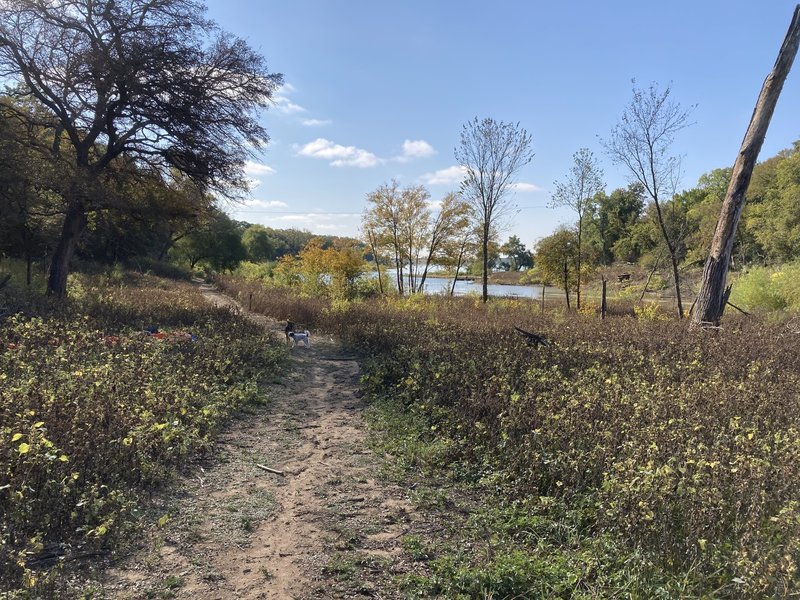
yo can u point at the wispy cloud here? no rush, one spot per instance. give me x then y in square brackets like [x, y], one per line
[286, 106]
[416, 149]
[254, 168]
[282, 102]
[264, 204]
[338, 155]
[525, 187]
[315, 122]
[449, 176]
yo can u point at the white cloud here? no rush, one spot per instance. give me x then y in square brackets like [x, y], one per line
[525, 187]
[282, 102]
[261, 204]
[449, 176]
[338, 155]
[286, 106]
[345, 224]
[416, 149]
[254, 168]
[315, 122]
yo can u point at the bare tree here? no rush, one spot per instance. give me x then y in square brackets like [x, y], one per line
[641, 142]
[711, 298]
[152, 80]
[576, 191]
[492, 153]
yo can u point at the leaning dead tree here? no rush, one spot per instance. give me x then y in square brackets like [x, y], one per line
[712, 297]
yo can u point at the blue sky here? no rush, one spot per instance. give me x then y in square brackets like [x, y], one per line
[380, 90]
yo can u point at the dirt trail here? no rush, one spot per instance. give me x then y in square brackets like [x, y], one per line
[326, 528]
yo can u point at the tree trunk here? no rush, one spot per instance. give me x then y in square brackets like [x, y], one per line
[710, 303]
[578, 289]
[676, 276]
[603, 301]
[375, 256]
[485, 263]
[74, 224]
[672, 256]
[458, 266]
[543, 291]
[566, 282]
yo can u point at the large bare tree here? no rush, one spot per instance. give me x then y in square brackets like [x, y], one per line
[153, 80]
[492, 153]
[576, 191]
[711, 298]
[641, 142]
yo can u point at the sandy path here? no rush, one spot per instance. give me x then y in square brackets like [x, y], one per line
[326, 528]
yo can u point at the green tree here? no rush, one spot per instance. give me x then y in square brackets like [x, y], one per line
[259, 243]
[519, 256]
[773, 218]
[556, 259]
[614, 216]
[28, 227]
[153, 80]
[217, 244]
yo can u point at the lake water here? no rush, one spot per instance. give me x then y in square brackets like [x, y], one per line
[441, 285]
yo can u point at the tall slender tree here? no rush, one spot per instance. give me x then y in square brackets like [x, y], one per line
[577, 191]
[491, 153]
[153, 80]
[641, 142]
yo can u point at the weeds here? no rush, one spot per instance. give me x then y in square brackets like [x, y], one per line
[94, 411]
[647, 457]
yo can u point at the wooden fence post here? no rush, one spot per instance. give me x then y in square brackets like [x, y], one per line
[603, 301]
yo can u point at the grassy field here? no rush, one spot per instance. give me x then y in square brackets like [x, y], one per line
[95, 412]
[631, 458]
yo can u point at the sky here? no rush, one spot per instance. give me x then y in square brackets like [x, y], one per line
[376, 91]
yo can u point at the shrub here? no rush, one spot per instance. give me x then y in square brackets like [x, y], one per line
[768, 289]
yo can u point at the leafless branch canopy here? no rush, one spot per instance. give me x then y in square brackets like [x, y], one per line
[582, 183]
[492, 153]
[642, 139]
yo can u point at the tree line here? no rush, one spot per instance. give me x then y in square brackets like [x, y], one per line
[623, 225]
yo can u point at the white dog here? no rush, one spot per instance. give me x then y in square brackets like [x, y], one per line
[300, 336]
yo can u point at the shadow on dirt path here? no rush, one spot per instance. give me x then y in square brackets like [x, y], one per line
[322, 527]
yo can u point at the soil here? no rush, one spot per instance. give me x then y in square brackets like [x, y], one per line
[324, 526]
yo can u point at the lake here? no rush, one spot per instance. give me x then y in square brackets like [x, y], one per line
[441, 285]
